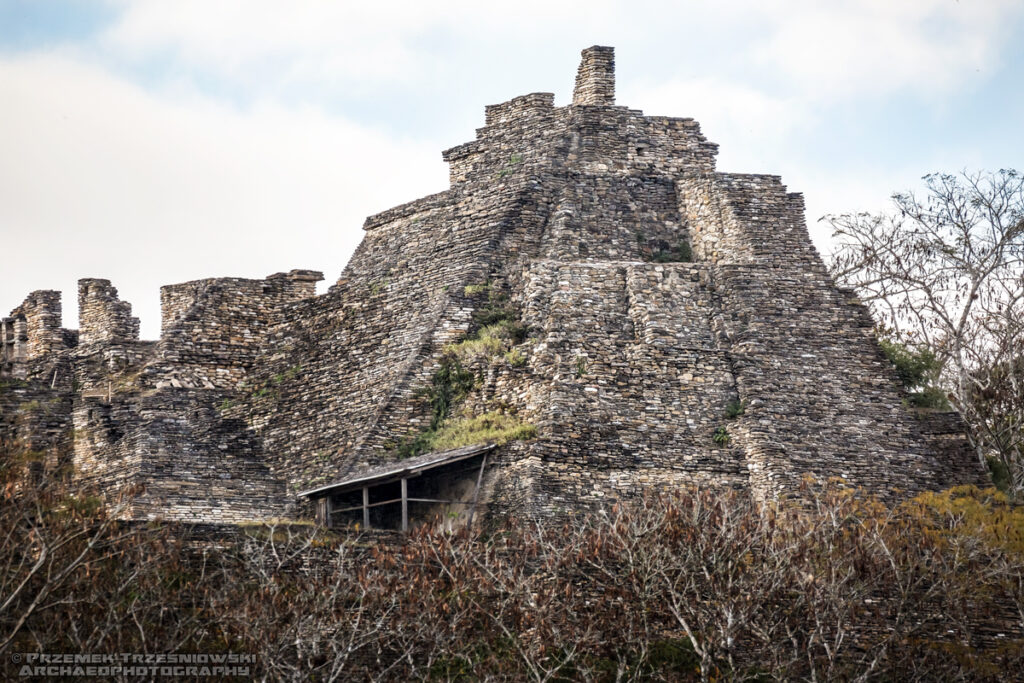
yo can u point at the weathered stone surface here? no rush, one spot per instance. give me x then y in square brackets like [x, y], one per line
[583, 220]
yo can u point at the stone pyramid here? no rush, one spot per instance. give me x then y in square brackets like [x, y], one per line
[589, 280]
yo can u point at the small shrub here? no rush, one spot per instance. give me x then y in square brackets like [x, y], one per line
[515, 358]
[473, 290]
[680, 253]
[489, 342]
[735, 409]
[581, 366]
[1000, 474]
[721, 436]
[482, 347]
[918, 370]
[931, 397]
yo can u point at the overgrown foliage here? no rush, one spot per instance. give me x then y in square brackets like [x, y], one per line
[493, 427]
[449, 385]
[660, 251]
[700, 585]
[944, 274]
[918, 370]
[497, 332]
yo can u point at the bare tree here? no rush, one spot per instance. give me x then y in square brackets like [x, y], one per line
[944, 272]
[693, 585]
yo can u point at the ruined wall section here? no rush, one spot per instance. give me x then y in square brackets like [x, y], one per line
[214, 329]
[108, 446]
[102, 316]
[617, 140]
[33, 346]
[172, 455]
[595, 78]
[821, 399]
[150, 412]
[109, 354]
[42, 337]
[36, 386]
[614, 218]
[35, 426]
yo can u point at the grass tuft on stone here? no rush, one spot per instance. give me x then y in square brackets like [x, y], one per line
[494, 427]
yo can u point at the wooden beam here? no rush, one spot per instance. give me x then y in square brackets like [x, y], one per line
[405, 505]
[327, 511]
[369, 505]
[440, 500]
[366, 507]
[446, 501]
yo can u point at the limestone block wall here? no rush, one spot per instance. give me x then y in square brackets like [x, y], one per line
[628, 383]
[602, 217]
[102, 316]
[13, 346]
[193, 463]
[40, 336]
[108, 444]
[35, 426]
[214, 329]
[822, 398]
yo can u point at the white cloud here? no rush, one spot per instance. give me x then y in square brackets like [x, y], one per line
[838, 48]
[313, 41]
[111, 181]
[855, 47]
[752, 126]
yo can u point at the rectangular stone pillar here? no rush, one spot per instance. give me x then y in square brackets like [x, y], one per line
[595, 80]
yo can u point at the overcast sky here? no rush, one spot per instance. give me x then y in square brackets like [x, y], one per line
[155, 141]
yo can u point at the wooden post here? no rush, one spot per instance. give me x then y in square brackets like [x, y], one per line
[405, 505]
[476, 491]
[366, 507]
[321, 512]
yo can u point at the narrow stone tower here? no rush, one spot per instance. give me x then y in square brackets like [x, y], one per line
[595, 79]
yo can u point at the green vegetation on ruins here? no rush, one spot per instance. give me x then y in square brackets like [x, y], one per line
[918, 370]
[660, 251]
[498, 331]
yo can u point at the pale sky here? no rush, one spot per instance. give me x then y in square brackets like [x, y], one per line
[155, 141]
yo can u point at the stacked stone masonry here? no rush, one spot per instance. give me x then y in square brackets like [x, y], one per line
[680, 328]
